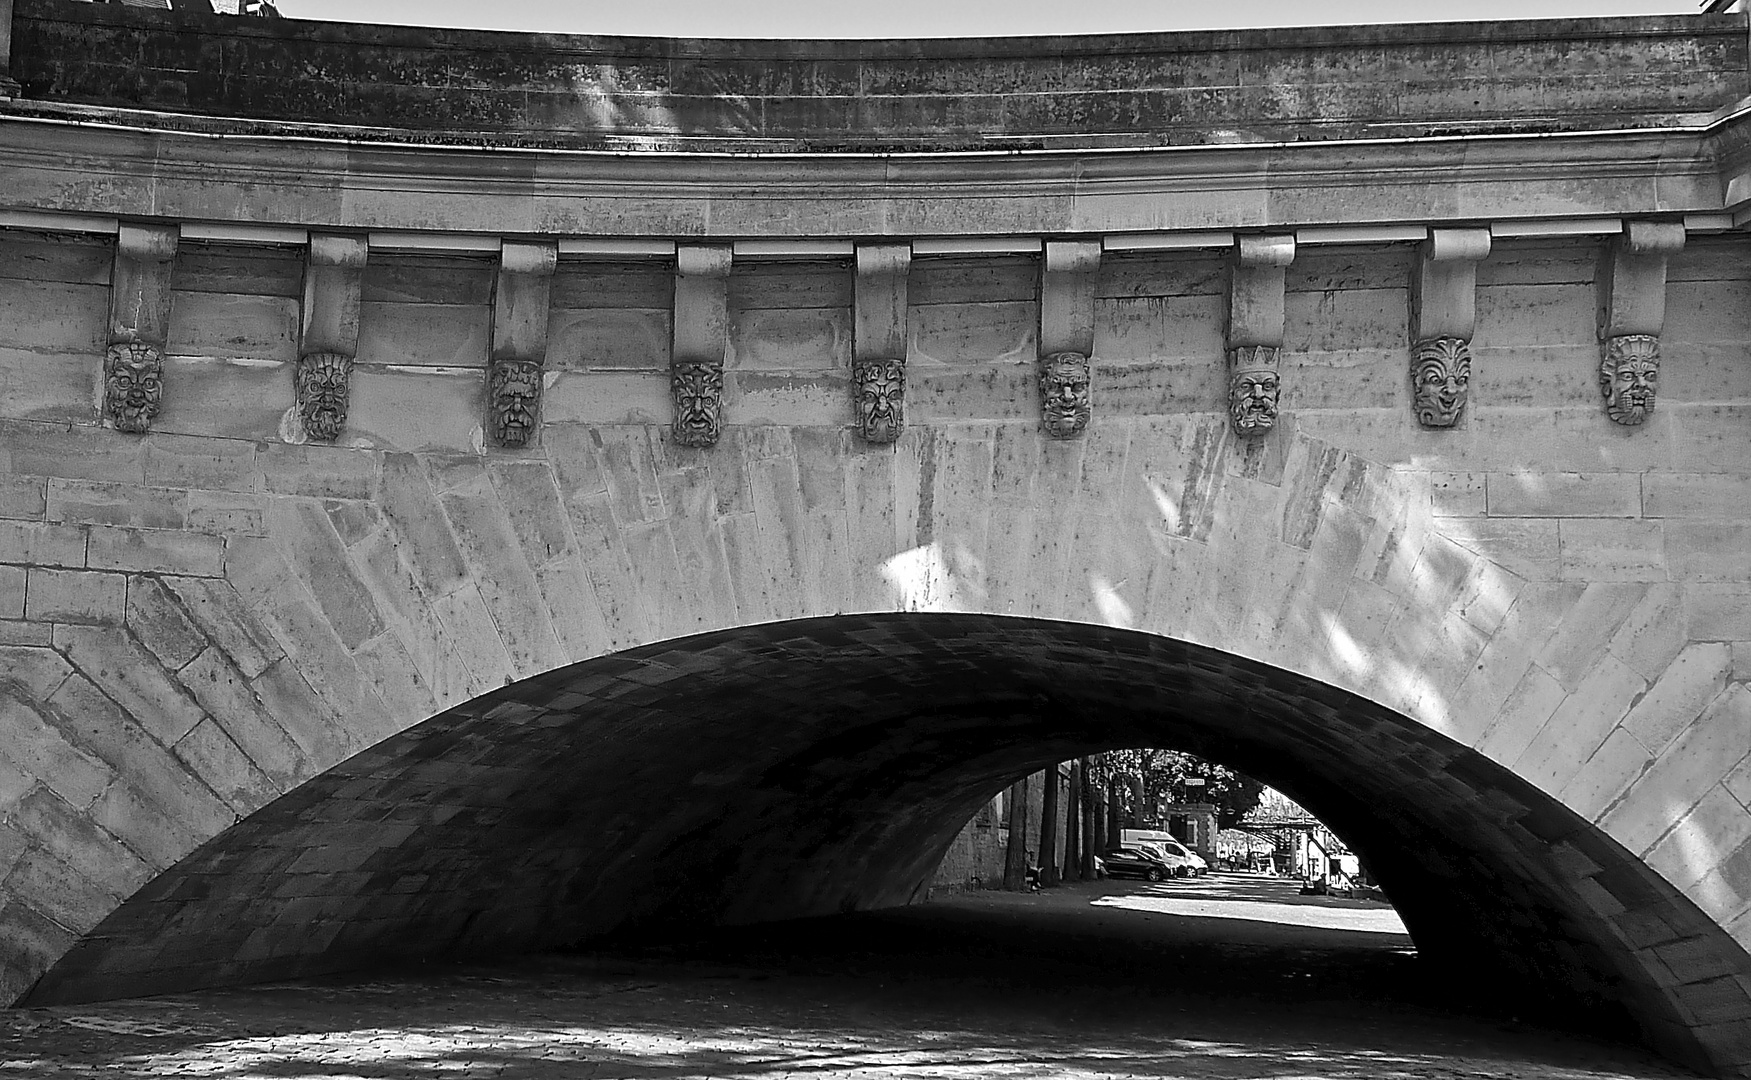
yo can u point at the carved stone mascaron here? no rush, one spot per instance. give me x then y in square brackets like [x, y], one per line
[698, 387]
[515, 401]
[133, 385]
[1440, 379]
[323, 386]
[1629, 377]
[880, 386]
[1253, 388]
[1066, 402]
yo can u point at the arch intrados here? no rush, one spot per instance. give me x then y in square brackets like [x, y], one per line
[800, 768]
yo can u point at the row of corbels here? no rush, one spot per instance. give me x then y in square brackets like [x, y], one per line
[1443, 317]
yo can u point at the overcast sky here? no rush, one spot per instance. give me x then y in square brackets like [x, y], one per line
[936, 18]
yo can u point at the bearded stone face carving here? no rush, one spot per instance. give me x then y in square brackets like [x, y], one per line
[1065, 400]
[1629, 375]
[133, 385]
[698, 387]
[1440, 376]
[515, 388]
[323, 387]
[881, 398]
[1253, 388]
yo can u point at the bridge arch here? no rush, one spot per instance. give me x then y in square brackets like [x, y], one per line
[807, 767]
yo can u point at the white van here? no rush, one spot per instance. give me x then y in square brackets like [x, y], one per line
[1172, 848]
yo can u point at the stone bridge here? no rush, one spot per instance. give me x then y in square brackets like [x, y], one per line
[467, 491]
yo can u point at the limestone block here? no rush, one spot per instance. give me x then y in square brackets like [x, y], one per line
[1534, 699]
[1714, 829]
[156, 551]
[986, 333]
[1612, 550]
[188, 461]
[92, 722]
[428, 409]
[424, 335]
[111, 658]
[1694, 678]
[1526, 547]
[1564, 494]
[224, 398]
[55, 889]
[505, 580]
[1717, 612]
[1605, 775]
[47, 387]
[12, 592]
[1690, 765]
[631, 339]
[807, 340]
[42, 544]
[800, 401]
[224, 513]
[1186, 328]
[211, 755]
[411, 507]
[158, 622]
[316, 555]
[159, 838]
[231, 327]
[23, 497]
[604, 397]
[74, 596]
[76, 841]
[328, 472]
[1580, 725]
[390, 671]
[1695, 495]
[97, 502]
[224, 620]
[303, 715]
[42, 751]
[1708, 550]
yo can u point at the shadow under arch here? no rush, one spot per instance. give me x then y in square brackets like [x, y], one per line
[808, 767]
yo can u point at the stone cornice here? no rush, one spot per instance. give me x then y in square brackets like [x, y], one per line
[51, 164]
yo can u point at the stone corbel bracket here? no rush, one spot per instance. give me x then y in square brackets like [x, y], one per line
[328, 340]
[1067, 280]
[1632, 313]
[1255, 330]
[696, 364]
[1443, 318]
[519, 341]
[139, 323]
[878, 343]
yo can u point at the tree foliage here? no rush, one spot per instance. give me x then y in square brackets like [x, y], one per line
[1163, 774]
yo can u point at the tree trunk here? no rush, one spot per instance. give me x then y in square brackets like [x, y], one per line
[1049, 827]
[1015, 856]
[1093, 809]
[1115, 812]
[1073, 825]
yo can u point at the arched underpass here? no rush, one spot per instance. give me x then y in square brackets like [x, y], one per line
[822, 765]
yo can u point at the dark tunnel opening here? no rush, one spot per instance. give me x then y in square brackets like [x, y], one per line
[808, 768]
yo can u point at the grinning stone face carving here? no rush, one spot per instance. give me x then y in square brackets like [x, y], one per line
[1065, 400]
[698, 387]
[1629, 375]
[516, 396]
[133, 385]
[880, 386]
[1253, 387]
[322, 386]
[1440, 375]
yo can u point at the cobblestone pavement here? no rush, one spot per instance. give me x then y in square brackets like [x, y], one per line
[1224, 977]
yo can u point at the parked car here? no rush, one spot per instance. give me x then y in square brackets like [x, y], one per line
[1137, 862]
[1194, 862]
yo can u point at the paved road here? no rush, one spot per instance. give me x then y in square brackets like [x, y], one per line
[1226, 977]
